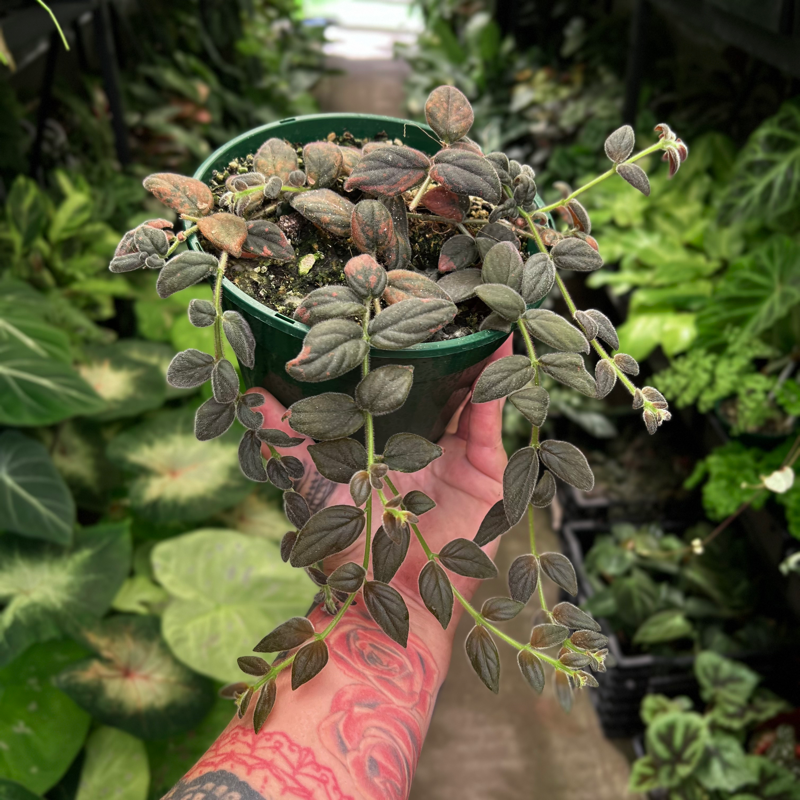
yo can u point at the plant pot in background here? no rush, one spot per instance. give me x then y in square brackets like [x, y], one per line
[443, 371]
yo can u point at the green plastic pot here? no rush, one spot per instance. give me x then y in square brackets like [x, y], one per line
[443, 371]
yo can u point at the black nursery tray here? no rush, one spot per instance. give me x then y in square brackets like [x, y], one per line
[622, 688]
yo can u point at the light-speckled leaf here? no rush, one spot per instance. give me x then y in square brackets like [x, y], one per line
[389, 171]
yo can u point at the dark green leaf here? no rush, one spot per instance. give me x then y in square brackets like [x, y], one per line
[492, 233]
[388, 556]
[389, 171]
[253, 665]
[409, 322]
[385, 389]
[189, 369]
[677, 742]
[264, 704]
[532, 403]
[372, 227]
[224, 382]
[569, 369]
[275, 157]
[627, 364]
[365, 276]
[559, 569]
[150, 240]
[184, 270]
[328, 302]
[501, 609]
[330, 349]
[296, 509]
[237, 332]
[523, 577]
[287, 543]
[565, 461]
[577, 255]
[503, 264]
[554, 330]
[250, 460]
[563, 691]
[466, 558]
[503, 300]
[466, 173]
[330, 415]
[519, 479]
[387, 607]
[482, 654]
[405, 285]
[547, 635]
[436, 592]
[278, 438]
[326, 209]
[347, 578]
[225, 231]
[294, 467]
[183, 195]
[619, 144]
[418, 502]
[605, 330]
[278, 474]
[449, 113]
[252, 420]
[665, 626]
[286, 636]
[532, 670]
[309, 662]
[572, 616]
[407, 452]
[339, 459]
[545, 491]
[494, 322]
[494, 524]
[502, 377]
[457, 252]
[605, 377]
[724, 767]
[360, 487]
[635, 176]
[323, 161]
[34, 499]
[202, 313]
[328, 532]
[724, 680]
[266, 240]
[461, 285]
[212, 419]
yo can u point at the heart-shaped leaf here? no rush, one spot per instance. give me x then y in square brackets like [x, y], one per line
[501, 609]
[225, 231]
[494, 524]
[554, 330]
[387, 556]
[503, 264]
[328, 532]
[503, 300]
[444, 203]
[366, 277]
[328, 302]
[677, 741]
[338, 460]
[523, 577]
[519, 478]
[286, 636]
[569, 369]
[482, 654]
[409, 322]
[275, 157]
[387, 607]
[635, 176]
[436, 592]
[372, 226]
[183, 195]
[532, 670]
[575, 254]
[404, 285]
[559, 569]
[330, 415]
[461, 285]
[458, 252]
[466, 173]
[323, 161]
[309, 662]
[465, 558]
[389, 171]
[407, 452]
[449, 113]
[502, 377]
[266, 240]
[538, 277]
[326, 209]
[385, 389]
[532, 403]
[184, 270]
[330, 349]
[565, 461]
[547, 635]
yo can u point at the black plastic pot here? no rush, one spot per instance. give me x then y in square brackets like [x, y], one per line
[443, 371]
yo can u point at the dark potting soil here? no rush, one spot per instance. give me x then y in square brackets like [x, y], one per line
[321, 256]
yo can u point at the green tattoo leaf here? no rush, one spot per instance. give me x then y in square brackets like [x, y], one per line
[676, 741]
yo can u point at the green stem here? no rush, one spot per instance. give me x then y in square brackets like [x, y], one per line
[55, 22]
[532, 536]
[420, 194]
[174, 246]
[219, 351]
[532, 355]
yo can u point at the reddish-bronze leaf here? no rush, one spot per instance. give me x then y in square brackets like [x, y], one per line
[372, 226]
[275, 157]
[184, 195]
[225, 231]
[389, 171]
[468, 145]
[266, 240]
[404, 284]
[445, 203]
[449, 113]
[458, 252]
[326, 209]
[365, 276]
[466, 173]
[350, 158]
[323, 162]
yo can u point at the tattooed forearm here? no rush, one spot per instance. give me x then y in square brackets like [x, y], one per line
[220, 785]
[315, 489]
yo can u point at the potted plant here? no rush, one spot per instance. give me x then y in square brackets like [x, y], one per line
[391, 277]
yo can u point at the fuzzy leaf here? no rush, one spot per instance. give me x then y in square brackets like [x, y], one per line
[503, 264]
[266, 240]
[388, 556]
[436, 592]
[457, 252]
[619, 144]
[573, 617]
[532, 403]
[547, 635]
[494, 524]
[523, 577]
[482, 654]
[502, 300]
[605, 376]
[250, 461]
[213, 419]
[387, 607]
[565, 461]
[519, 478]
[184, 270]
[278, 438]
[545, 491]
[605, 330]
[502, 377]
[576, 255]
[275, 157]
[347, 578]
[330, 349]
[580, 217]
[323, 161]
[449, 113]
[500, 609]
[202, 313]
[326, 416]
[489, 235]
[569, 369]
[296, 509]
[407, 452]
[554, 330]
[461, 285]
[418, 502]
[389, 171]
[224, 382]
[409, 322]
[635, 176]
[225, 231]
[328, 532]
[385, 389]
[366, 277]
[350, 158]
[405, 285]
[532, 670]
[371, 226]
[466, 558]
[183, 195]
[627, 364]
[253, 665]
[466, 173]
[559, 569]
[328, 302]
[444, 203]
[286, 636]
[538, 277]
[339, 459]
[326, 209]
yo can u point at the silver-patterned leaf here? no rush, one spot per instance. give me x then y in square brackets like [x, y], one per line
[502, 377]
[519, 479]
[328, 532]
[565, 461]
[331, 415]
[554, 330]
[330, 349]
[559, 569]
[339, 459]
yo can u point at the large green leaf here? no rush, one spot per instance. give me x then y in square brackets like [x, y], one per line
[724, 680]
[642, 332]
[157, 354]
[47, 589]
[724, 766]
[135, 683]
[259, 514]
[27, 332]
[228, 590]
[41, 729]
[11, 790]
[128, 386]
[176, 477]
[34, 500]
[772, 782]
[115, 767]
[41, 391]
[664, 626]
[676, 741]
